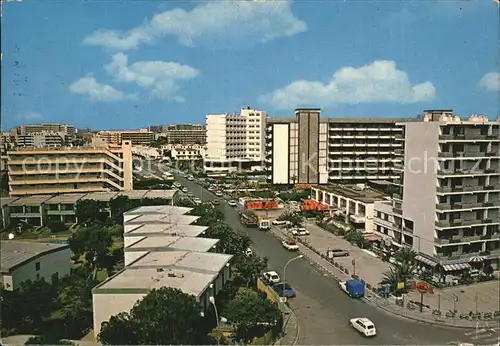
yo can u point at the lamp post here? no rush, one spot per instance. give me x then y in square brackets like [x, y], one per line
[211, 299]
[284, 272]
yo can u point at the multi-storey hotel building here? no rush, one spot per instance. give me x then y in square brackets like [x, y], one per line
[447, 208]
[42, 171]
[182, 133]
[135, 137]
[310, 150]
[235, 141]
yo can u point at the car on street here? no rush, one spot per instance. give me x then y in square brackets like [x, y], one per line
[278, 222]
[215, 202]
[177, 184]
[232, 203]
[363, 325]
[300, 232]
[197, 200]
[190, 178]
[337, 253]
[290, 245]
[190, 195]
[284, 290]
[272, 277]
[218, 193]
[185, 190]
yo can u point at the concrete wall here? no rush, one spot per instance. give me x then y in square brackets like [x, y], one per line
[281, 153]
[420, 182]
[106, 305]
[55, 262]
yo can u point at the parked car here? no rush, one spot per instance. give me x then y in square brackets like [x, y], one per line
[197, 200]
[219, 193]
[363, 325]
[337, 253]
[215, 202]
[284, 290]
[300, 232]
[290, 245]
[232, 203]
[272, 277]
[278, 222]
[184, 189]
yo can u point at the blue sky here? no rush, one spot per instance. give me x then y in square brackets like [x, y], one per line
[113, 64]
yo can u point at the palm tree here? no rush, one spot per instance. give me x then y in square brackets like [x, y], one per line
[406, 255]
[400, 272]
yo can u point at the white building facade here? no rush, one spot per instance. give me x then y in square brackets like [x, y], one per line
[235, 141]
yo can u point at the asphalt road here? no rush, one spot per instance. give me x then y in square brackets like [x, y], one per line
[322, 310]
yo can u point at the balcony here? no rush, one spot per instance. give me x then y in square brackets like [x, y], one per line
[23, 215]
[491, 153]
[60, 212]
[399, 151]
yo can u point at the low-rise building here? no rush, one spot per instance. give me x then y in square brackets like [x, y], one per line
[28, 210]
[63, 207]
[143, 245]
[184, 152]
[354, 204]
[25, 260]
[136, 137]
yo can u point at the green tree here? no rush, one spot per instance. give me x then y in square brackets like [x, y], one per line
[118, 206]
[209, 215]
[405, 255]
[252, 314]
[89, 211]
[295, 219]
[57, 226]
[47, 340]
[249, 268]
[399, 272]
[166, 316]
[231, 241]
[94, 243]
[355, 237]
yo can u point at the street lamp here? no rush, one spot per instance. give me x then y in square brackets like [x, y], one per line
[284, 272]
[211, 299]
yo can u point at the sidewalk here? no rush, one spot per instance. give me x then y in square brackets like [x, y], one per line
[290, 326]
[318, 258]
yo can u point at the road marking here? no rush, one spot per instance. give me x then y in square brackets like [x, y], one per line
[474, 332]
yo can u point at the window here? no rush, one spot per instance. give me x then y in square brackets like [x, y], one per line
[37, 266]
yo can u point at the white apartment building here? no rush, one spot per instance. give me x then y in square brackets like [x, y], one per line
[447, 208]
[184, 152]
[235, 141]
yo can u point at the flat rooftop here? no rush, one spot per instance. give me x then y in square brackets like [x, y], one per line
[158, 209]
[134, 194]
[143, 280]
[101, 196]
[167, 194]
[70, 198]
[15, 253]
[347, 120]
[165, 230]
[173, 243]
[30, 200]
[162, 218]
[202, 262]
[366, 195]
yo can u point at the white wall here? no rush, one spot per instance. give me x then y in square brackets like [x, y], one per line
[106, 305]
[132, 256]
[55, 262]
[420, 182]
[281, 154]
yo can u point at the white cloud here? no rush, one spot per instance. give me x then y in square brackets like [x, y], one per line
[29, 116]
[251, 20]
[161, 76]
[490, 81]
[95, 91]
[379, 81]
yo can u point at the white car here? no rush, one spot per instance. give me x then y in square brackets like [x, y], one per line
[363, 325]
[184, 189]
[272, 277]
[300, 232]
[290, 245]
[232, 203]
[278, 222]
[218, 193]
[197, 200]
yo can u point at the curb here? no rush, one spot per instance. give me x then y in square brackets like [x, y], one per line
[474, 324]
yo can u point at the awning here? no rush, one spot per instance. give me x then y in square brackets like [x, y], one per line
[372, 237]
[425, 260]
[458, 266]
[476, 259]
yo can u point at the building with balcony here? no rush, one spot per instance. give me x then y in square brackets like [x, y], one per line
[44, 140]
[45, 127]
[27, 211]
[353, 205]
[27, 260]
[135, 137]
[184, 152]
[447, 208]
[42, 171]
[310, 150]
[185, 134]
[235, 142]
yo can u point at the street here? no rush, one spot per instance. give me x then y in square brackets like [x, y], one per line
[322, 310]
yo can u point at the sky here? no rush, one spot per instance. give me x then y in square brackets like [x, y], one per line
[124, 65]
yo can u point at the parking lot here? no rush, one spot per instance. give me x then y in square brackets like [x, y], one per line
[361, 262]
